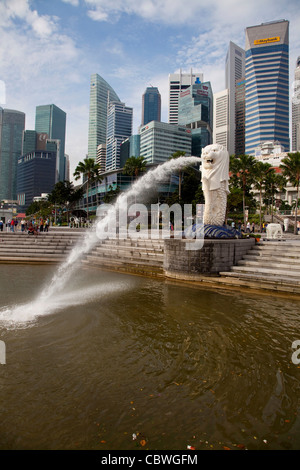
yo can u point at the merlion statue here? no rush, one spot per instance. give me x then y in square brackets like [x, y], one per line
[215, 176]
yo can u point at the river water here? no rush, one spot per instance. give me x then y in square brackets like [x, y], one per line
[120, 362]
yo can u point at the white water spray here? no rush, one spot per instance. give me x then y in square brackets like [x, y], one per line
[52, 297]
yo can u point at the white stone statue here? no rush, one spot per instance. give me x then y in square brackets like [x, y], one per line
[215, 176]
[274, 231]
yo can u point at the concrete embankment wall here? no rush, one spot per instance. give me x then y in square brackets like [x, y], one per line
[181, 261]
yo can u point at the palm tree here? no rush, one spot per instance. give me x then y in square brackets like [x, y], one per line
[274, 183]
[260, 172]
[242, 174]
[179, 153]
[134, 166]
[89, 169]
[290, 166]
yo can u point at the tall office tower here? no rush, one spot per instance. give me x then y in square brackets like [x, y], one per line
[12, 124]
[151, 105]
[51, 120]
[267, 84]
[296, 110]
[195, 111]
[221, 118]
[101, 157]
[177, 83]
[119, 127]
[234, 70]
[160, 140]
[100, 94]
[67, 167]
[240, 117]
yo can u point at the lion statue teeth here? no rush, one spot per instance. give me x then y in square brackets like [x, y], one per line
[215, 176]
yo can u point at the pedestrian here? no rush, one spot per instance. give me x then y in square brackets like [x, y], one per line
[41, 225]
[12, 225]
[239, 225]
[22, 225]
[248, 226]
[46, 226]
[253, 227]
[1, 225]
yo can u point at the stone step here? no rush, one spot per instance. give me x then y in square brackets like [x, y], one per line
[274, 264]
[106, 257]
[28, 251]
[261, 277]
[133, 268]
[267, 271]
[271, 256]
[130, 250]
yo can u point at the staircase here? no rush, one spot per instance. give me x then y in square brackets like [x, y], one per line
[49, 247]
[269, 264]
[141, 257]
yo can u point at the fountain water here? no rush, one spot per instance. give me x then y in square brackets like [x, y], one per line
[52, 296]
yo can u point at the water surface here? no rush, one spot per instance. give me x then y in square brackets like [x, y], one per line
[123, 362]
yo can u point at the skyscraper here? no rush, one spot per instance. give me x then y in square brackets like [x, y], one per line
[195, 111]
[221, 118]
[119, 127]
[159, 140]
[240, 117]
[12, 124]
[234, 70]
[151, 105]
[51, 120]
[177, 83]
[100, 94]
[296, 110]
[267, 84]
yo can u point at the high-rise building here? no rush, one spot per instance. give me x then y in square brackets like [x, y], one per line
[36, 174]
[177, 83]
[195, 111]
[267, 84]
[101, 157]
[119, 127]
[100, 95]
[151, 105]
[240, 117]
[296, 110]
[51, 120]
[160, 140]
[234, 70]
[12, 124]
[221, 118]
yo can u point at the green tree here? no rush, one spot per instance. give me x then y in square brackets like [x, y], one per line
[179, 153]
[242, 175]
[261, 170]
[134, 166]
[274, 183]
[89, 169]
[64, 194]
[290, 166]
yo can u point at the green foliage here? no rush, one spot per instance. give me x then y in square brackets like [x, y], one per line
[134, 166]
[39, 209]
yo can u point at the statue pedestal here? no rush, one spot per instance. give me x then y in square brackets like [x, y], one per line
[213, 232]
[216, 255]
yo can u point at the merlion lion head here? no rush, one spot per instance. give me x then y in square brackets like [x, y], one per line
[215, 166]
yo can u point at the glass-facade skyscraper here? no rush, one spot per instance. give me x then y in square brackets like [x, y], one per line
[234, 70]
[151, 105]
[195, 111]
[119, 127]
[101, 93]
[296, 110]
[179, 82]
[51, 120]
[267, 84]
[12, 124]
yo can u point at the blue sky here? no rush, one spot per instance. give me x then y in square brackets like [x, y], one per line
[49, 49]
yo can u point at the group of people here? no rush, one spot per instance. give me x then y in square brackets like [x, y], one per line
[26, 226]
[250, 228]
